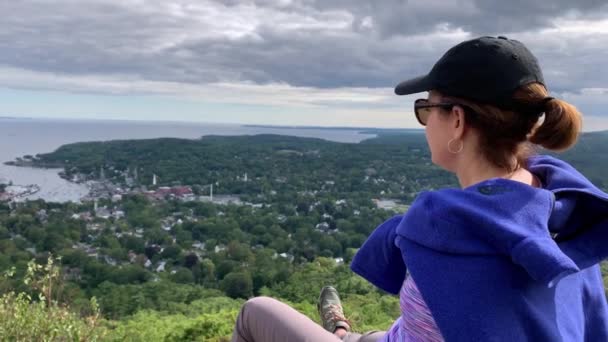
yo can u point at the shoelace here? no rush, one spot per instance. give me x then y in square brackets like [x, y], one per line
[334, 314]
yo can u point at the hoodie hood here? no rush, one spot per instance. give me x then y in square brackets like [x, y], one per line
[551, 231]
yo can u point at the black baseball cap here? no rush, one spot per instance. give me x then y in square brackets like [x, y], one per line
[485, 69]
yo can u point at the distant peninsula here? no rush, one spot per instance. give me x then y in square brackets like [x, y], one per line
[362, 130]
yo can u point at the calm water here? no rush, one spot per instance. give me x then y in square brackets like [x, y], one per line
[19, 137]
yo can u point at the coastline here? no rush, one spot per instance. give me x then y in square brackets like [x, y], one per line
[19, 192]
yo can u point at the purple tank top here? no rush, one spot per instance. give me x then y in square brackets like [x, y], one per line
[416, 322]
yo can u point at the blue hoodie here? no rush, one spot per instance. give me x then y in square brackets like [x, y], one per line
[501, 260]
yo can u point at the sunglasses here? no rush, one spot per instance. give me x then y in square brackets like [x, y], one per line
[422, 108]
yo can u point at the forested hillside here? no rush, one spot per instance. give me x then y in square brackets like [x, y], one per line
[177, 268]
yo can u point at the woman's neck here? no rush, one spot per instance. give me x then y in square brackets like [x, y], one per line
[475, 171]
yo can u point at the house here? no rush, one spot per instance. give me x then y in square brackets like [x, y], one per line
[198, 245]
[81, 245]
[93, 226]
[176, 191]
[132, 255]
[109, 260]
[118, 214]
[72, 273]
[92, 252]
[42, 215]
[86, 216]
[181, 191]
[287, 256]
[103, 213]
[323, 226]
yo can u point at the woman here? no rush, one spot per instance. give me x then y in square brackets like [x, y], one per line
[511, 256]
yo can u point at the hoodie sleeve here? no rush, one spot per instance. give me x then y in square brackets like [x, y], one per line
[379, 259]
[543, 260]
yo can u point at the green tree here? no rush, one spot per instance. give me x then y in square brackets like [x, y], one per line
[183, 276]
[237, 285]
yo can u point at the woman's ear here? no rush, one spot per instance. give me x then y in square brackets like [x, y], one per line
[459, 122]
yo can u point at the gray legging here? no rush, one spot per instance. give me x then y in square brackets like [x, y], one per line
[263, 319]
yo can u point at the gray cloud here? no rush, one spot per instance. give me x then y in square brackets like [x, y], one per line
[406, 17]
[315, 43]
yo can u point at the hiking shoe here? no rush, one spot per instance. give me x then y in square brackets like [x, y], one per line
[330, 310]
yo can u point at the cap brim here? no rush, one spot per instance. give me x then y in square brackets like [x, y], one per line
[415, 85]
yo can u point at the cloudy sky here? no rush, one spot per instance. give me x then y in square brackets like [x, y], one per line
[281, 62]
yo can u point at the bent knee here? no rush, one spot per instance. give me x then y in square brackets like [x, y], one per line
[263, 307]
[260, 302]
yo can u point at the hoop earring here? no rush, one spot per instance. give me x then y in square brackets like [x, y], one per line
[455, 151]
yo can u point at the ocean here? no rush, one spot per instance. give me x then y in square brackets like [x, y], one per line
[19, 137]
